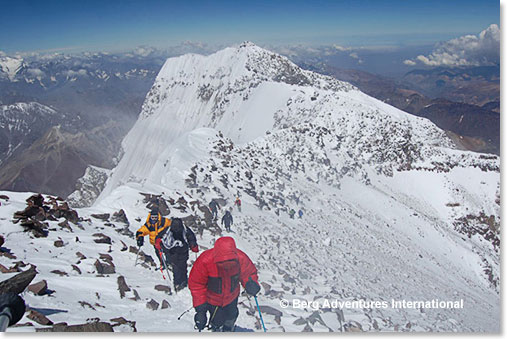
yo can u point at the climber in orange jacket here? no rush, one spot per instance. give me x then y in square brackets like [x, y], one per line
[154, 224]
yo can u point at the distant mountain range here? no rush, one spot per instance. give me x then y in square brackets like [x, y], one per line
[93, 99]
[474, 127]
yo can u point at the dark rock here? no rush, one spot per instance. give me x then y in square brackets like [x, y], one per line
[39, 288]
[124, 246]
[75, 268]
[163, 288]
[122, 321]
[120, 216]
[4, 269]
[80, 255]
[60, 273]
[300, 321]
[103, 216]
[23, 324]
[38, 229]
[152, 305]
[133, 249]
[102, 238]
[100, 326]
[4, 197]
[122, 286]
[270, 310]
[315, 317]
[104, 268]
[2, 240]
[165, 304]
[136, 296]
[267, 287]
[307, 328]
[65, 224]
[35, 200]
[84, 303]
[59, 243]
[106, 257]
[39, 318]
[19, 282]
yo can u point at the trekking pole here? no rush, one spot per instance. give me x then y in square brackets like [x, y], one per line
[137, 256]
[161, 260]
[166, 269]
[212, 317]
[260, 314]
[181, 315]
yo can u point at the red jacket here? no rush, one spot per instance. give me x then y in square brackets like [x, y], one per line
[216, 274]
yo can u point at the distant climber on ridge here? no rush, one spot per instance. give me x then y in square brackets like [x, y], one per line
[238, 203]
[154, 224]
[175, 242]
[292, 212]
[213, 206]
[300, 213]
[214, 283]
[227, 220]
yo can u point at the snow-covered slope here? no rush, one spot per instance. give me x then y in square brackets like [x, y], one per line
[391, 209]
[9, 67]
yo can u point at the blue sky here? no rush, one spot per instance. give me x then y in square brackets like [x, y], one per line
[115, 25]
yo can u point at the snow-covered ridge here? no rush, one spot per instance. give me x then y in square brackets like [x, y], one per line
[246, 92]
[392, 208]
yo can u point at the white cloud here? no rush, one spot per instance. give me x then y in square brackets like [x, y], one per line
[341, 48]
[468, 50]
[71, 73]
[144, 51]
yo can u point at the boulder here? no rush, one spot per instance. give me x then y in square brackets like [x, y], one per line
[152, 305]
[103, 216]
[39, 318]
[104, 268]
[163, 288]
[307, 328]
[75, 268]
[165, 304]
[99, 326]
[120, 216]
[39, 288]
[270, 310]
[122, 286]
[102, 238]
[60, 273]
[59, 243]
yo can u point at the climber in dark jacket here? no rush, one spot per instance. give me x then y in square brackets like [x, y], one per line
[213, 206]
[227, 220]
[175, 242]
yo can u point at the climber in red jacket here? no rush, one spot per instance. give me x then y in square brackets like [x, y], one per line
[214, 283]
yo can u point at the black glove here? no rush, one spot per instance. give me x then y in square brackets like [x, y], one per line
[14, 304]
[251, 287]
[200, 316]
[140, 241]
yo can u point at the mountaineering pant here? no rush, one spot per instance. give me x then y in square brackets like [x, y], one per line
[178, 262]
[224, 317]
[227, 226]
